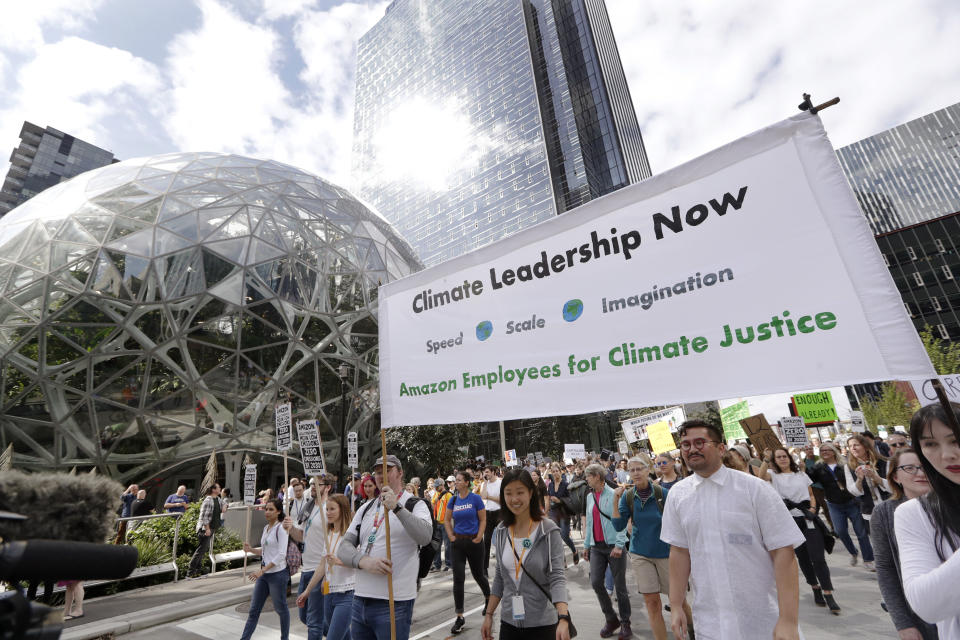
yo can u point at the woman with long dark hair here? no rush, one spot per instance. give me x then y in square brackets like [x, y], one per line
[928, 528]
[542, 492]
[796, 490]
[558, 512]
[272, 578]
[530, 573]
[465, 521]
[907, 481]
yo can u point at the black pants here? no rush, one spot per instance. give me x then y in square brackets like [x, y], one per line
[811, 557]
[510, 632]
[464, 551]
[493, 519]
[203, 545]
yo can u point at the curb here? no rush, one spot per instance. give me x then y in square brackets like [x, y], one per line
[162, 614]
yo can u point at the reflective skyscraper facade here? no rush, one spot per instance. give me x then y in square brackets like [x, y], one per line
[476, 119]
[43, 158]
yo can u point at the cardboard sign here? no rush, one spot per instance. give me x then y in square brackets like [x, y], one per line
[661, 440]
[815, 408]
[731, 417]
[353, 458]
[759, 432]
[510, 455]
[623, 447]
[284, 419]
[311, 451]
[574, 452]
[250, 484]
[794, 431]
[857, 423]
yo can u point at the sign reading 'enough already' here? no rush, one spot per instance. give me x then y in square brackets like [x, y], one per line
[672, 290]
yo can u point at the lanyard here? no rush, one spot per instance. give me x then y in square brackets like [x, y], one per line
[299, 508]
[319, 508]
[377, 522]
[526, 544]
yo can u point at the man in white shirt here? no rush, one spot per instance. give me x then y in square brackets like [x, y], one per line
[490, 492]
[310, 533]
[411, 526]
[733, 538]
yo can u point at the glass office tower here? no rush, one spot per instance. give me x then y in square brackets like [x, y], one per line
[476, 119]
[43, 158]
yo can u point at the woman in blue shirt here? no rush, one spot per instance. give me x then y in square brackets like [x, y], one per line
[465, 522]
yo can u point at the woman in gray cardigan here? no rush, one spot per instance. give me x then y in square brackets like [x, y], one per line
[907, 481]
[529, 567]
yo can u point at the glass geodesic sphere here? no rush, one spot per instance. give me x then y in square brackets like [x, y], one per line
[159, 308]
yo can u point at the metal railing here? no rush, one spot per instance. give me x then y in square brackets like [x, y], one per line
[162, 567]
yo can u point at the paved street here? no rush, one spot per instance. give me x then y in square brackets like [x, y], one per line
[856, 591]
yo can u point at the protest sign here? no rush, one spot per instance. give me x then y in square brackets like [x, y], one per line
[731, 417]
[661, 440]
[574, 452]
[352, 453]
[510, 456]
[926, 395]
[623, 446]
[311, 451]
[284, 419]
[857, 423]
[670, 290]
[759, 432]
[538, 456]
[794, 431]
[250, 484]
[815, 408]
[636, 428]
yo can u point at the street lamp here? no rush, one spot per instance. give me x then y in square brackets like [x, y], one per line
[343, 372]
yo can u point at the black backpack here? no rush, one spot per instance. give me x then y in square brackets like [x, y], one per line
[657, 495]
[576, 501]
[427, 552]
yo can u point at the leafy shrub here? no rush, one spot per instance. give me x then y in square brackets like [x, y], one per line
[151, 551]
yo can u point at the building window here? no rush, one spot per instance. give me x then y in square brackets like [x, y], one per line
[938, 243]
[943, 332]
[911, 253]
[935, 301]
[947, 274]
[906, 305]
[886, 260]
[917, 278]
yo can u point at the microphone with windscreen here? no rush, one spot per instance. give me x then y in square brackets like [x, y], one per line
[59, 560]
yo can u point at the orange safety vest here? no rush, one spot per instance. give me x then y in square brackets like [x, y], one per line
[440, 506]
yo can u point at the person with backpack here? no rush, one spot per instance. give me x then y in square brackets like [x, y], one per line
[207, 524]
[649, 556]
[465, 523]
[441, 498]
[273, 575]
[309, 534]
[364, 547]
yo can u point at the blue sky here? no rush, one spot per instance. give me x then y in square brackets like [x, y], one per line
[274, 78]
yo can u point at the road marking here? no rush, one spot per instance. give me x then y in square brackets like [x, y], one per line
[443, 624]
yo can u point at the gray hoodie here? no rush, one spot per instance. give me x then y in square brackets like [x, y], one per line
[544, 562]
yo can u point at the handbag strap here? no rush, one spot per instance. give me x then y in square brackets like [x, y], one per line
[527, 573]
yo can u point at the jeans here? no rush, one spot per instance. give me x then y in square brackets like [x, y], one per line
[370, 619]
[275, 585]
[565, 533]
[312, 615]
[839, 513]
[600, 561]
[337, 609]
[608, 579]
[196, 561]
[493, 519]
[446, 548]
[464, 551]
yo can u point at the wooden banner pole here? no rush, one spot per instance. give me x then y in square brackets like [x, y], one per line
[246, 540]
[353, 495]
[286, 479]
[386, 522]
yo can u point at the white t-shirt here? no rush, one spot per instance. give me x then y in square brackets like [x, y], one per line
[510, 560]
[792, 486]
[273, 543]
[404, 551]
[314, 541]
[297, 506]
[493, 489]
[729, 523]
[340, 578]
[929, 584]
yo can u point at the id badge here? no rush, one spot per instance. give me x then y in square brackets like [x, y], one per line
[810, 524]
[517, 605]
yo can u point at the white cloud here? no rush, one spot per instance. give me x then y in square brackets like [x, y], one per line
[276, 9]
[704, 74]
[21, 29]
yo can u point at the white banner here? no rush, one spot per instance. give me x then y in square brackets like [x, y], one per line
[352, 453]
[250, 484]
[311, 449]
[683, 287]
[284, 419]
[636, 428]
[794, 431]
[926, 395]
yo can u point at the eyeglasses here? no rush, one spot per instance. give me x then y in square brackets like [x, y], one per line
[911, 469]
[663, 463]
[897, 445]
[697, 443]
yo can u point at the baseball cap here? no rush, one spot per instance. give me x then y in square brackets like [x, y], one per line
[392, 461]
[451, 479]
[438, 484]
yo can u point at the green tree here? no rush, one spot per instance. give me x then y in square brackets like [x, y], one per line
[428, 449]
[944, 355]
[892, 408]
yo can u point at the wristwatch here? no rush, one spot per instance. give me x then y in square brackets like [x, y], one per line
[397, 509]
[565, 616]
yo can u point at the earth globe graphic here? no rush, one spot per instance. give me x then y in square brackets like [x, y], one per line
[484, 330]
[572, 309]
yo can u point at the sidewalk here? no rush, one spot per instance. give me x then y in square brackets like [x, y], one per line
[147, 607]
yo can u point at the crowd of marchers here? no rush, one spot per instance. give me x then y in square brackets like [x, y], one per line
[723, 531]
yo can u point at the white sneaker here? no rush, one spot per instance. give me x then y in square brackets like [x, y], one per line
[869, 566]
[854, 559]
